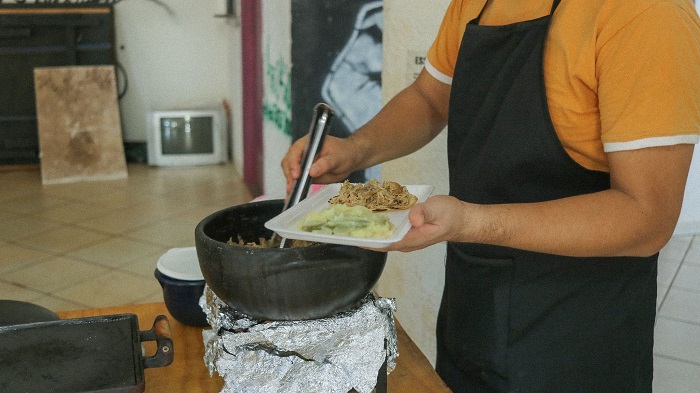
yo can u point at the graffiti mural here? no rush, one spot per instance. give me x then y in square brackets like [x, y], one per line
[337, 59]
[277, 97]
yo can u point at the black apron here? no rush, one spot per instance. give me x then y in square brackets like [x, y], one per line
[518, 321]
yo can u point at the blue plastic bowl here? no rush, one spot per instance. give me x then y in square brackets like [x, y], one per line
[179, 275]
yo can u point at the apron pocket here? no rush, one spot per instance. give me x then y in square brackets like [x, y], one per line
[475, 310]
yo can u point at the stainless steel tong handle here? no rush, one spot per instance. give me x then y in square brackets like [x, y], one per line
[320, 124]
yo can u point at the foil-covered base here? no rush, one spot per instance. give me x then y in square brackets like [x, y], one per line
[329, 355]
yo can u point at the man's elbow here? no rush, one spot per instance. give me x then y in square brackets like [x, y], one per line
[656, 237]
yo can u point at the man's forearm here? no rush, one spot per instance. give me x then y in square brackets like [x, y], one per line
[606, 223]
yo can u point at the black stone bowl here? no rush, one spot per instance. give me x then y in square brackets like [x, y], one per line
[280, 283]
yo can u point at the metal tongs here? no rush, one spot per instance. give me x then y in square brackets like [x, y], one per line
[323, 114]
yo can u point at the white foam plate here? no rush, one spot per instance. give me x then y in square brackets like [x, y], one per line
[285, 224]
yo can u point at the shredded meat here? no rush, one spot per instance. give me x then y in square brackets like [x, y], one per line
[267, 243]
[388, 195]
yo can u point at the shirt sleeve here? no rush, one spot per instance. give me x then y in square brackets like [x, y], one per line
[649, 80]
[442, 55]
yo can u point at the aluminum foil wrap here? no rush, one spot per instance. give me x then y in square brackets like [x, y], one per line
[328, 355]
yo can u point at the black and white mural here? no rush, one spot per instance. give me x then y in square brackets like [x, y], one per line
[337, 59]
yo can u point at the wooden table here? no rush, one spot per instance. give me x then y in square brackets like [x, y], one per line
[187, 373]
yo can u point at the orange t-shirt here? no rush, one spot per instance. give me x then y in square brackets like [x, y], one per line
[619, 75]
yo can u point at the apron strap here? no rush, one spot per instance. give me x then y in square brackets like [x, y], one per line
[478, 18]
[554, 6]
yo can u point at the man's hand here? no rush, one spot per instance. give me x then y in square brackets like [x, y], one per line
[334, 163]
[440, 218]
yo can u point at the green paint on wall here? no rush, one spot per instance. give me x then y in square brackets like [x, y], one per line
[277, 98]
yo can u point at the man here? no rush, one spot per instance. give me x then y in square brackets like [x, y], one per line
[570, 134]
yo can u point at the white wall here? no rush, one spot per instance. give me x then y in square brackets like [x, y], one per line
[182, 59]
[415, 279]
